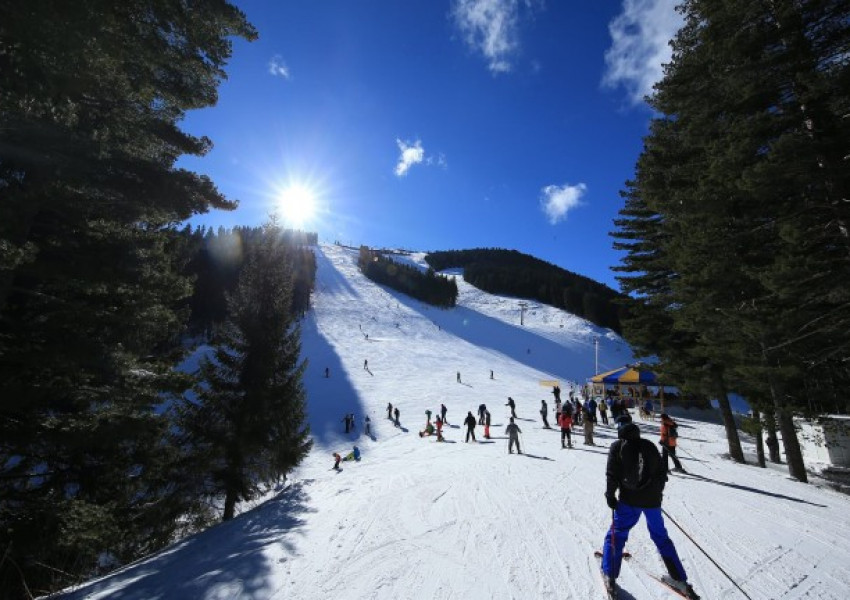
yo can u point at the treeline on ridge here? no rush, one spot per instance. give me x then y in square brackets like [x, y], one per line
[216, 258]
[437, 290]
[513, 273]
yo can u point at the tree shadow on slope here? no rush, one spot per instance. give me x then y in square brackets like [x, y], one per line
[329, 399]
[224, 561]
[509, 340]
[746, 488]
[331, 281]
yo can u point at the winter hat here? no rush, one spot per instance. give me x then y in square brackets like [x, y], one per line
[665, 416]
[628, 431]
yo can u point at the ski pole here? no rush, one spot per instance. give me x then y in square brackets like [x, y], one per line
[714, 562]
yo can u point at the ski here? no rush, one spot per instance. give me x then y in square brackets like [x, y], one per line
[612, 593]
[664, 580]
[668, 583]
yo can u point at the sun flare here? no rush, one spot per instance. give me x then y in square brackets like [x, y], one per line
[297, 204]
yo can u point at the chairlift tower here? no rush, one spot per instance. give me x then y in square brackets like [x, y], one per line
[522, 309]
[596, 362]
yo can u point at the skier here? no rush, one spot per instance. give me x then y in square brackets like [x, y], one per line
[439, 422]
[429, 430]
[327, 373]
[669, 437]
[634, 468]
[486, 424]
[390, 411]
[556, 391]
[396, 413]
[470, 426]
[427, 416]
[337, 458]
[603, 411]
[587, 419]
[543, 413]
[367, 426]
[347, 423]
[458, 376]
[557, 407]
[366, 365]
[481, 410]
[512, 404]
[513, 431]
[565, 420]
[443, 411]
[491, 373]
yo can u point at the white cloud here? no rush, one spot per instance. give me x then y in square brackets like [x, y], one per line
[414, 154]
[411, 154]
[557, 201]
[490, 27]
[278, 68]
[640, 38]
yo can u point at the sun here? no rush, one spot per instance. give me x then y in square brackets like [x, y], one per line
[297, 204]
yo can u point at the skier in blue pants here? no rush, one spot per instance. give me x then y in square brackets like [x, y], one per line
[636, 470]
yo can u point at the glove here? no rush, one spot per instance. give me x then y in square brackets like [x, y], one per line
[611, 499]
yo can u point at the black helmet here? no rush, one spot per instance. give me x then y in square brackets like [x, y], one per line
[628, 431]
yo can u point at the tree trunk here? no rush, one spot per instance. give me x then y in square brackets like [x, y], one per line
[759, 439]
[735, 450]
[790, 443]
[770, 428]
[229, 505]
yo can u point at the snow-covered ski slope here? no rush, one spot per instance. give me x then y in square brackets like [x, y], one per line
[420, 519]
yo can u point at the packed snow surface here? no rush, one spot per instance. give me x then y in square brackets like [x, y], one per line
[420, 519]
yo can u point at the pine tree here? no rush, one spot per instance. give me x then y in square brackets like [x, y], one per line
[91, 93]
[247, 425]
[745, 169]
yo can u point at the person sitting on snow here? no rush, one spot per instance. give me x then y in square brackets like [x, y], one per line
[353, 455]
[429, 430]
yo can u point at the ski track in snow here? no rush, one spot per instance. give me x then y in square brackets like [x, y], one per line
[420, 519]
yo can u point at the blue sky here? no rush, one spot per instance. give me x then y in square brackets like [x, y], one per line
[439, 124]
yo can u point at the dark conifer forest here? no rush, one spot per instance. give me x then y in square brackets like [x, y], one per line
[513, 273]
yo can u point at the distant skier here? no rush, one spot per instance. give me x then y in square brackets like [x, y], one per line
[482, 408]
[458, 376]
[347, 422]
[512, 404]
[470, 426]
[443, 411]
[337, 458]
[543, 413]
[635, 469]
[557, 407]
[427, 416]
[390, 411]
[491, 373]
[556, 391]
[366, 365]
[367, 426]
[429, 430]
[327, 373]
[565, 421]
[669, 438]
[396, 413]
[603, 411]
[513, 431]
[439, 426]
[486, 424]
[587, 421]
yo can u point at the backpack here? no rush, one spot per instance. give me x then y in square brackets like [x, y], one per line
[639, 459]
